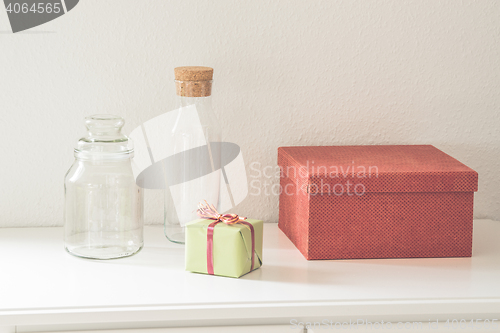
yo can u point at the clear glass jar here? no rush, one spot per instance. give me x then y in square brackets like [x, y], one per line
[103, 217]
[194, 173]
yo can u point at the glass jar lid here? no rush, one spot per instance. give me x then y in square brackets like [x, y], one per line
[104, 139]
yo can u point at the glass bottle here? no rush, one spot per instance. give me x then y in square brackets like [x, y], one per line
[193, 174]
[103, 217]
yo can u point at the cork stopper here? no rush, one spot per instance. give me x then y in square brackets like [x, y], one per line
[193, 81]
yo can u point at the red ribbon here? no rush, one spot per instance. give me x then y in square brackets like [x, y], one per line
[209, 212]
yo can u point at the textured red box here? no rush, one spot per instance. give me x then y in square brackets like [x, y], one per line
[353, 202]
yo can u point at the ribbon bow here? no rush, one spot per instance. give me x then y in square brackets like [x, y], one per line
[209, 212]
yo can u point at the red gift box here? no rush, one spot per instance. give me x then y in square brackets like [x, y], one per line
[353, 202]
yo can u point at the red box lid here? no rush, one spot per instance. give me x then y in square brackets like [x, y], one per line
[405, 168]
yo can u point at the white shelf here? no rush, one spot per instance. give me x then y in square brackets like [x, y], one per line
[42, 285]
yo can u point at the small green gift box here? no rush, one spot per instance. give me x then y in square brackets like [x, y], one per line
[214, 247]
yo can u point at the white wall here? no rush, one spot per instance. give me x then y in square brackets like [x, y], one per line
[287, 73]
